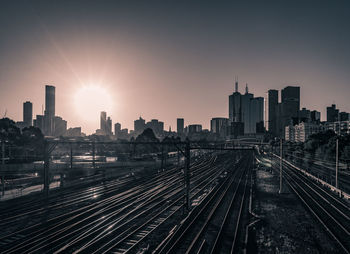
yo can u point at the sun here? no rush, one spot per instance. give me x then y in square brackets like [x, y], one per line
[89, 101]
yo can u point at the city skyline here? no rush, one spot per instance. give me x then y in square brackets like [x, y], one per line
[170, 69]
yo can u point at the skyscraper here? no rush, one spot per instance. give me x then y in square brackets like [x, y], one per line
[291, 99]
[234, 107]
[332, 113]
[49, 114]
[139, 125]
[245, 110]
[39, 122]
[288, 110]
[60, 126]
[256, 115]
[109, 126]
[103, 122]
[219, 126]
[28, 113]
[315, 116]
[117, 128]
[271, 103]
[180, 125]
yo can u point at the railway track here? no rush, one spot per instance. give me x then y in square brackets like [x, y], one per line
[329, 210]
[83, 228]
[199, 232]
[68, 201]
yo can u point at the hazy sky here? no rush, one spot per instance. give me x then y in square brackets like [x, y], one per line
[170, 59]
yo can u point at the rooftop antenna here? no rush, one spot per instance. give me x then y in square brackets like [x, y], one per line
[246, 88]
[236, 84]
[5, 113]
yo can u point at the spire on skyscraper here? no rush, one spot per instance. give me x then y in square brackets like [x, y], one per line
[246, 88]
[236, 84]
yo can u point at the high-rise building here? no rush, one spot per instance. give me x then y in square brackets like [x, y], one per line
[332, 113]
[315, 116]
[117, 128]
[271, 103]
[103, 122]
[288, 110]
[28, 113]
[60, 126]
[234, 106]
[245, 110]
[219, 126]
[156, 126]
[291, 99]
[344, 116]
[109, 126]
[194, 128]
[304, 115]
[256, 115]
[139, 125]
[74, 132]
[39, 122]
[180, 125]
[49, 114]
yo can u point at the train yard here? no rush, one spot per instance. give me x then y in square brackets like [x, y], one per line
[148, 213]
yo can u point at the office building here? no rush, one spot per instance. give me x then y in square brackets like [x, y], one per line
[156, 126]
[315, 116]
[103, 122]
[219, 126]
[139, 125]
[235, 105]
[74, 132]
[117, 128]
[332, 113]
[339, 127]
[287, 111]
[302, 131]
[245, 110]
[256, 119]
[49, 113]
[304, 115]
[60, 126]
[109, 126]
[39, 122]
[271, 103]
[28, 113]
[344, 116]
[180, 125]
[194, 128]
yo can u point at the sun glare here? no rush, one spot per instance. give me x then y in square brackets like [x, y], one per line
[90, 101]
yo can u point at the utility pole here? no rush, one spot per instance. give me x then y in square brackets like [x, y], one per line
[71, 156]
[281, 161]
[46, 169]
[162, 163]
[3, 167]
[336, 163]
[187, 174]
[178, 157]
[93, 154]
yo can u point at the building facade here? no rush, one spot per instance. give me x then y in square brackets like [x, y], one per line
[28, 113]
[271, 103]
[180, 124]
[49, 113]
